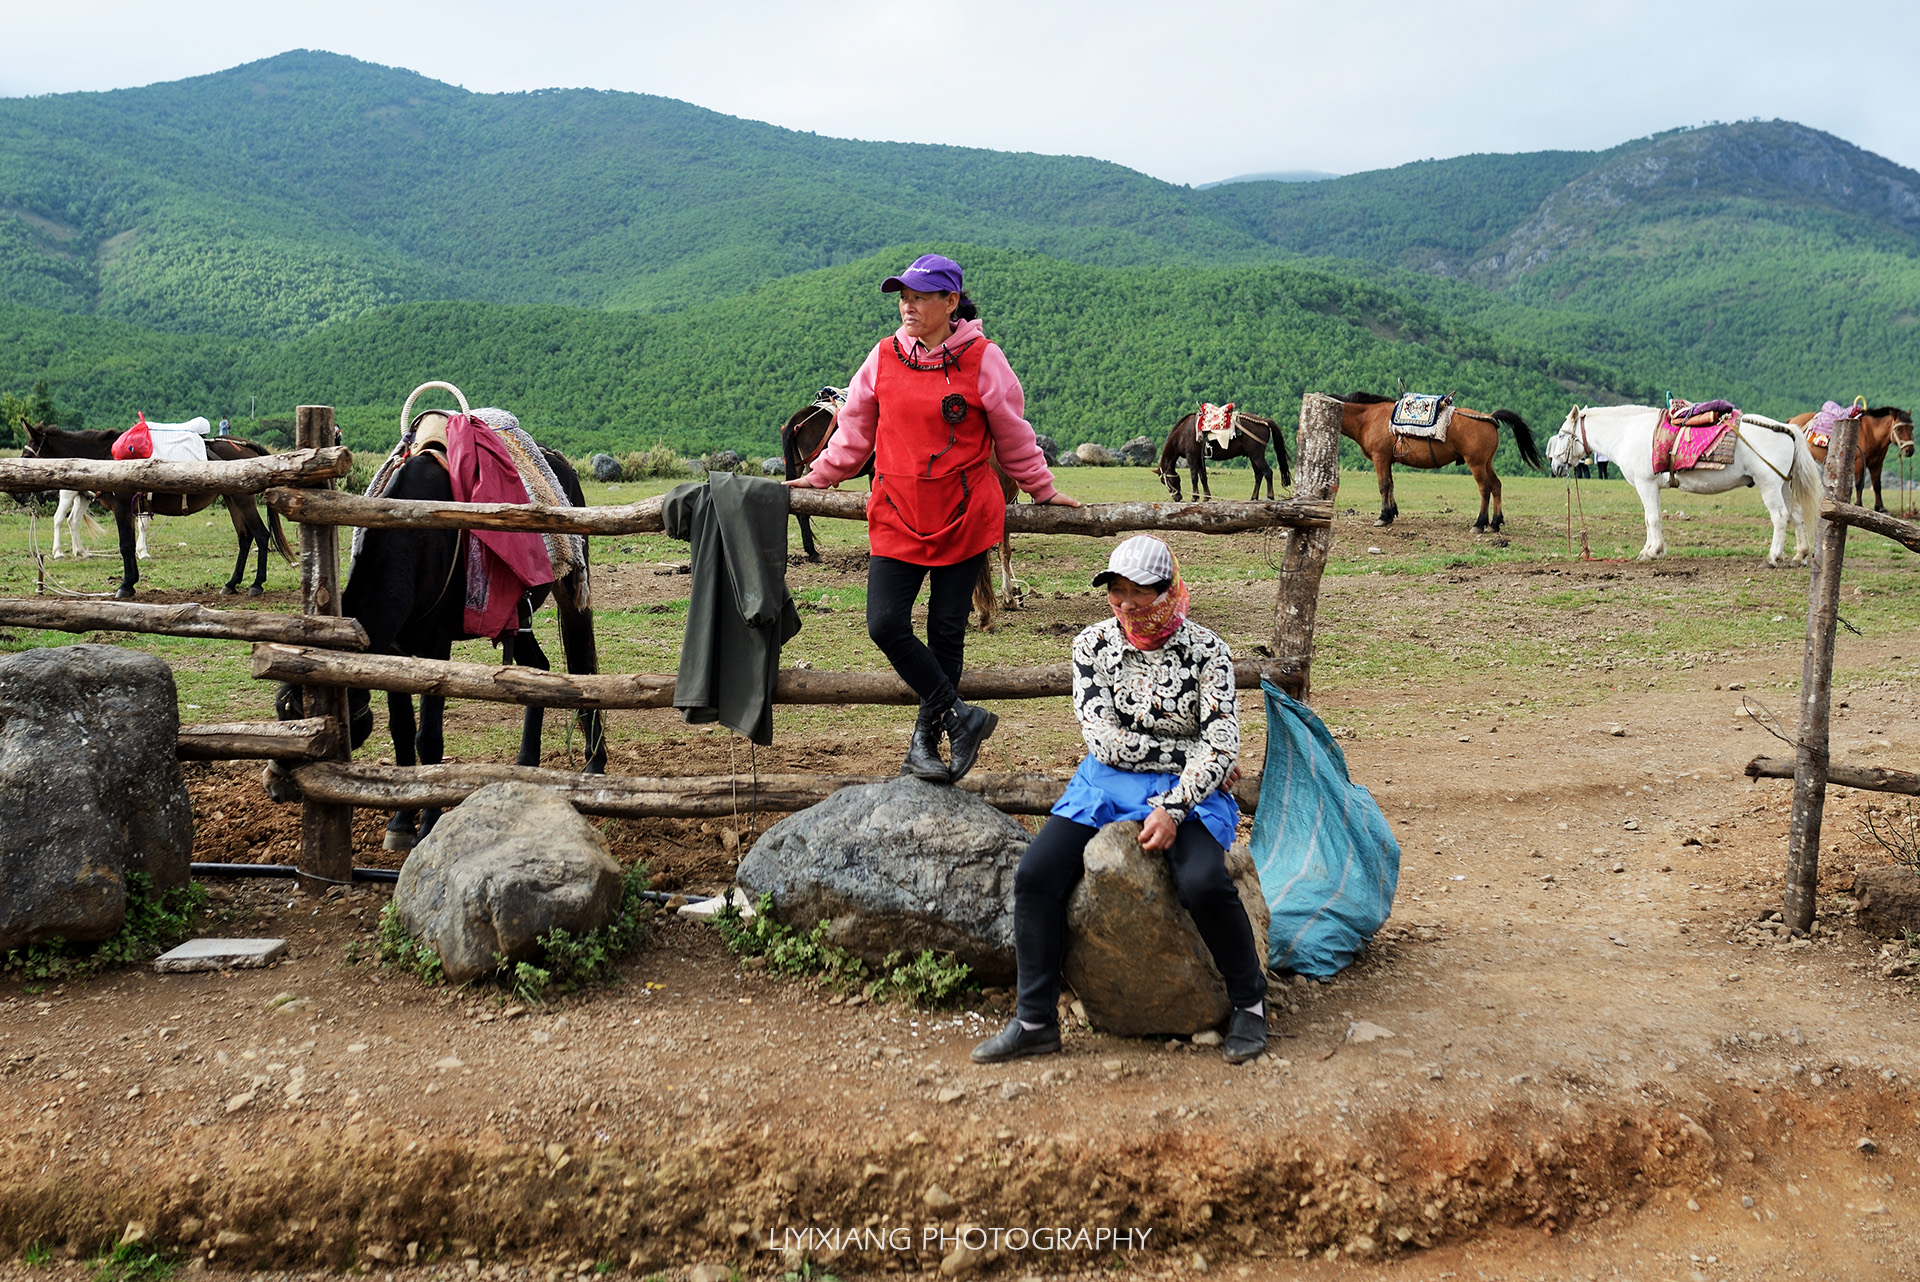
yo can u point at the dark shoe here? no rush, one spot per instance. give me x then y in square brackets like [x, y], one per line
[1015, 1041]
[967, 729]
[1246, 1037]
[923, 752]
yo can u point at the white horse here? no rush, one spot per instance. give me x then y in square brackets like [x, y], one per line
[75, 511]
[1768, 455]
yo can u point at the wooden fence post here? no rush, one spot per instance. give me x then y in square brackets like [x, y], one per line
[326, 831]
[1816, 690]
[1304, 555]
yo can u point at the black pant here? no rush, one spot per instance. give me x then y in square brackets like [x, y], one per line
[1052, 867]
[932, 668]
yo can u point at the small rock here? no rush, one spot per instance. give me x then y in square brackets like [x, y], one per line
[1012, 1090]
[709, 1273]
[238, 1102]
[1618, 732]
[938, 1199]
[134, 1234]
[1362, 1030]
[230, 1239]
[1113, 1065]
[1692, 1205]
[1375, 552]
[1208, 1037]
[950, 1095]
[1866, 1145]
[1632, 825]
[449, 1063]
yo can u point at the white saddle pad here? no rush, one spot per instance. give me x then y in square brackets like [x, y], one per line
[178, 444]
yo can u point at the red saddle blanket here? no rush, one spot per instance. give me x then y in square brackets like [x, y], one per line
[501, 564]
[1695, 436]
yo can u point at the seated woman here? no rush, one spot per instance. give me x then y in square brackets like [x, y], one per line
[1155, 698]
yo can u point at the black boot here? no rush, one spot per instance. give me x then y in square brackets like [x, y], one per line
[923, 752]
[967, 728]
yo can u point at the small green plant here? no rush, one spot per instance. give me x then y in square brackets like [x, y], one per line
[808, 1272]
[132, 1262]
[928, 979]
[659, 460]
[153, 924]
[37, 1254]
[397, 948]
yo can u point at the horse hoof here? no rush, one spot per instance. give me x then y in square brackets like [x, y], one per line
[123, 594]
[229, 590]
[398, 842]
[256, 590]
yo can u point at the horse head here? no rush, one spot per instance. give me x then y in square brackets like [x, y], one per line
[1903, 431]
[1564, 450]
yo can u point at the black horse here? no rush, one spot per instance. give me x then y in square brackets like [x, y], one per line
[1249, 441]
[243, 509]
[802, 439]
[408, 590]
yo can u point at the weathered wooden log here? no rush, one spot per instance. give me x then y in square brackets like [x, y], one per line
[1303, 558]
[1811, 757]
[1906, 533]
[304, 665]
[322, 507]
[326, 830]
[1866, 778]
[308, 739]
[188, 619]
[630, 796]
[245, 476]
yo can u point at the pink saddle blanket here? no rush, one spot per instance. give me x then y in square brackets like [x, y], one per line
[1686, 440]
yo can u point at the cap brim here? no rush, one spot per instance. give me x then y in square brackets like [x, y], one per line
[892, 285]
[1105, 577]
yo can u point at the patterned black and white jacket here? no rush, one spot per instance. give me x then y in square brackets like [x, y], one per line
[1168, 711]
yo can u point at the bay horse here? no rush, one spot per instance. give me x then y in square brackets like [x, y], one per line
[804, 436]
[242, 509]
[1770, 456]
[1880, 430]
[407, 589]
[1472, 438]
[1249, 441]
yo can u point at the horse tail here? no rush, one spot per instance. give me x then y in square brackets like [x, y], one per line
[1280, 450]
[1522, 436]
[986, 603]
[1804, 486]
[279, 534]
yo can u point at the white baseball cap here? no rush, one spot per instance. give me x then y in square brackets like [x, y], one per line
[1142, 559]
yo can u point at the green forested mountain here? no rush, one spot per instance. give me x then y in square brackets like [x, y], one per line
[624, 268]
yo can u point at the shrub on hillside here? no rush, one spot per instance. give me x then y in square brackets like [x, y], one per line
[660, 460]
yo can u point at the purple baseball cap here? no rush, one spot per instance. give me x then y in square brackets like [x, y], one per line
[930, 274]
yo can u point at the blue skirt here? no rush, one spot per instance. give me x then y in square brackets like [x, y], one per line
[1098, 795]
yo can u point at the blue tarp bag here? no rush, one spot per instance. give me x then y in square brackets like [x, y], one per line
[1328, 862]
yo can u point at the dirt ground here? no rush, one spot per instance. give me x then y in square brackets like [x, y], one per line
[1573, 1051]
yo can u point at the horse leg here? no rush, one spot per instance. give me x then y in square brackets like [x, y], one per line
[528, 654]
[1649, 491]
[403, 830]
[244, 537]
[129, 565]
[1774, 495]
[144, 519]
[1383, 473]
[62, 514]
[1010, 593]
[583, 656]
[430, 744]
[1489, 487]
[806, 538]
[255, 529]
[1879, 504]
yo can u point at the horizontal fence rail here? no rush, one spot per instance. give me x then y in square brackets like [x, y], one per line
[1906, 533]
[188, 619]
[307, 739]
[536, 687]
[335, 507]
[638, 797]
[157, 476]
[1866, 778]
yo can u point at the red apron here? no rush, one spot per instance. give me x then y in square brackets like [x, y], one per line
[935, 498]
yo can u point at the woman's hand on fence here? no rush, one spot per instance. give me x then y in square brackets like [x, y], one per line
[1057, 499]
[1157, 832]
[802, 483]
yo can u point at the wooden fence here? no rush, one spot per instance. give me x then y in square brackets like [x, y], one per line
[323, 653]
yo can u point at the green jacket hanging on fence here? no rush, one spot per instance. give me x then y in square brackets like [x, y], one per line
[740, 612]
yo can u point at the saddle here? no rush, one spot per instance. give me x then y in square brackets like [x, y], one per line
[1417, 414]
[1820, 429]
[1215, 425]
[1697, 436]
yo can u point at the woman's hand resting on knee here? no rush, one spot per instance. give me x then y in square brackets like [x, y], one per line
[1157, 832]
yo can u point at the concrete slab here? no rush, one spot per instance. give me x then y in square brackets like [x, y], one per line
[220, 954]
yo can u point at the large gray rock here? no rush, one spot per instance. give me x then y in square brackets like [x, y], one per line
[1093, 455]
[605, 468]
[1134, 958]
[897, 866]
[1139, 452]
[499, 870]
[90, 790]
[773, 467]
[1049, 448]
[1889, 899]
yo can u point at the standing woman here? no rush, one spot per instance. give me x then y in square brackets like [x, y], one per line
[934, 405]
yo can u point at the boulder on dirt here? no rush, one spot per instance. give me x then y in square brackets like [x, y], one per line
[723, 461]
[1049, 448]
[1889, 900]
[1139, 452]
[90, 790]
[510, 863]
[1134, 957]
[605, 468]
[773, 467]
[899, 866]
[1093, 455]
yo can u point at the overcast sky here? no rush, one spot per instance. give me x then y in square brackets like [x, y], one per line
[1186, 90]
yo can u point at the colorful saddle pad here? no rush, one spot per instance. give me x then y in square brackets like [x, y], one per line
[1699, 436]
[1416, 414]
[1820, 429]
[1216, 423]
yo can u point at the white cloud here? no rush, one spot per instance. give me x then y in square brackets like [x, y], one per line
[1187, 92]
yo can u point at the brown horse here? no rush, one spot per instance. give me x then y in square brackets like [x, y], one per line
[1249, 441]
[1880, 430]
[242, 509]
[804, 437]
[1472, 438]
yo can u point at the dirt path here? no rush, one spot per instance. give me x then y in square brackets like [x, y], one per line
[1593, 1063]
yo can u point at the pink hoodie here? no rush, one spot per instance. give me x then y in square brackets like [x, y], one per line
[1006, 405]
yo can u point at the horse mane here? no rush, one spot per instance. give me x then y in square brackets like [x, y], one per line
[1363, 398]
[1893, 410]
